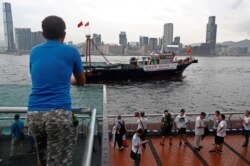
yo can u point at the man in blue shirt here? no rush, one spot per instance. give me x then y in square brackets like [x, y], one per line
[16, 142]
[49, 118]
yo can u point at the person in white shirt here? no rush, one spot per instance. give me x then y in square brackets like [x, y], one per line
[181, 124]
[199, 130]
[221, 133]
[142, 123]
[136, 146]
[216, 120]
[246, 125]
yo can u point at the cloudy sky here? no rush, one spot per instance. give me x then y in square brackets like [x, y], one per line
[136, 17]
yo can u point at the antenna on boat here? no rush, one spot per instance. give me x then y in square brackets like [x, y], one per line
[100, 52]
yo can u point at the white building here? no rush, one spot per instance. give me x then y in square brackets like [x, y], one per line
[168, 35]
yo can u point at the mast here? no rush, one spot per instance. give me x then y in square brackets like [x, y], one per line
[88, 45]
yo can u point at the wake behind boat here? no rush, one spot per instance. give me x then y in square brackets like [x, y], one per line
[161, 66]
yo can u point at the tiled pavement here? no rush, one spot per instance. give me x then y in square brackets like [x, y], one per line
[184, 156]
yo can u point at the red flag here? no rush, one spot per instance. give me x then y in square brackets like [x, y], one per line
[79, 24]
[189, 51]
[87, 24]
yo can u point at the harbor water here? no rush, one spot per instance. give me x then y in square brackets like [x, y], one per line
[215, 83]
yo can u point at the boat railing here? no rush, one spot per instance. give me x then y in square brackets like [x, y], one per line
[82, 113]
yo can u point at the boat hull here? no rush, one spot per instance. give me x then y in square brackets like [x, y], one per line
[130, 73]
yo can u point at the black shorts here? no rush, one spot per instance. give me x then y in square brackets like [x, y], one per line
[182, 131]
[219, 140]
[166, 131]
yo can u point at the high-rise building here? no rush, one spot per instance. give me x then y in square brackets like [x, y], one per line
[8, 27]
[23, 39]
[123, 41]
[153, 44]
[177, 40]
[143, 41]
[211, 34]
[167, 35]
[97, 40]
[36, 38]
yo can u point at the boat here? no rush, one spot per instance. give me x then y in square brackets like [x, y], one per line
[158, 66]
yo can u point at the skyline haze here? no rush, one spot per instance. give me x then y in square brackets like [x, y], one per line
[136, 18]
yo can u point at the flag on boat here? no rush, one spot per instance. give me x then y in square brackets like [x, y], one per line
[87, 24]
[79, 24]
[189, 51]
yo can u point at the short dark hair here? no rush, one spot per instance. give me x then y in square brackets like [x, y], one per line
[17, 116]
[182, 110]
[119, 117]
[223, 116]
[139, 131]
[142, 114]
[53, 27]
[218, 112]
[165, 111]
[203, 113]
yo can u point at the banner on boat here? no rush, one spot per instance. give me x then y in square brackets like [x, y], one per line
[170, 66]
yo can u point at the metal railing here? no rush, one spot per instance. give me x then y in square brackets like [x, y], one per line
[230, 117]
[88, 146]
[105, 134]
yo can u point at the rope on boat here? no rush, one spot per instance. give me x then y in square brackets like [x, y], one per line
[100, 52]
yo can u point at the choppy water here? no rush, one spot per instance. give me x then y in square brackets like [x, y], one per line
[219, 83]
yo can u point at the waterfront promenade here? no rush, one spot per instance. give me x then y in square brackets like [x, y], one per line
[155, 155]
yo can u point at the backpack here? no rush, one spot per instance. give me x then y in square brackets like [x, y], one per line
[122, 129]
[168, 121]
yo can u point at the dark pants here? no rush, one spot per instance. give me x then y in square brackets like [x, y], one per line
[137, 160]
[143, 137]
[215, 134]
[246, 135]
[118, 138]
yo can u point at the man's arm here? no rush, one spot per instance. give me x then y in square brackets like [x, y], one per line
[78, 79]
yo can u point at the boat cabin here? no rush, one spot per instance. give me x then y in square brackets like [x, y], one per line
[155, 59]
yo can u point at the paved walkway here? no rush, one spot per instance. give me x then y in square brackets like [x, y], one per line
[233, 153]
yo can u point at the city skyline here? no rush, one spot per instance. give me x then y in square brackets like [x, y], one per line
[110, 17]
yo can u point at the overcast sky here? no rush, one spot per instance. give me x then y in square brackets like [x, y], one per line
[136, 17]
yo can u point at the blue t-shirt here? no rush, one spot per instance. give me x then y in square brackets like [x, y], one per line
[15, 132]
[51, 66]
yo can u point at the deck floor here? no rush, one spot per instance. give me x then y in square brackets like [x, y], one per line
[233, 153]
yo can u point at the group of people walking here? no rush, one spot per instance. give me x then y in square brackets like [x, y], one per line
[181, 121]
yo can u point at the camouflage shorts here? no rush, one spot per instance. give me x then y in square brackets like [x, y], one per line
[53, 132]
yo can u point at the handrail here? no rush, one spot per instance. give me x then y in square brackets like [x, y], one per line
[175, 114]
[24, 110]
[105, 134]
[88, 146]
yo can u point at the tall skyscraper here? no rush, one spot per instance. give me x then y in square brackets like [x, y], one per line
[167, 35]
[23, 39]
[8, 27]
[123, 41]
[211, 34]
